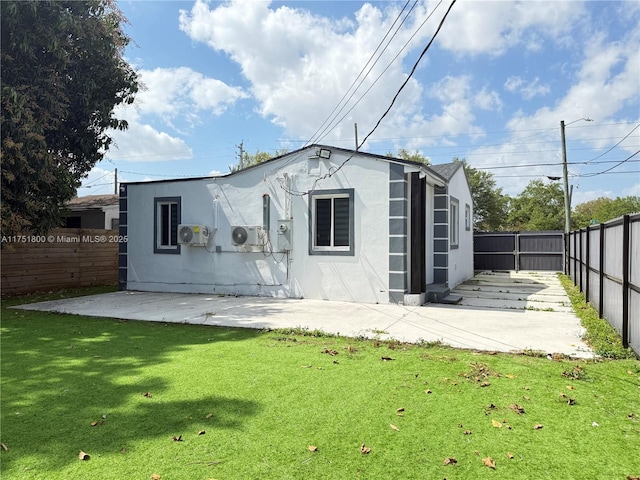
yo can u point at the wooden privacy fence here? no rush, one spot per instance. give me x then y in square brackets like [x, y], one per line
[604, 261]
[63, 258]
[518, 251]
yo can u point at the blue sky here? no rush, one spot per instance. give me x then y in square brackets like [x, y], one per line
[492, 88]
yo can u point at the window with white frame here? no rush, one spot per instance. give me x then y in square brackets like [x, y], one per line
[454, 215]
[331, 222]
[467, 217]
[167, 213]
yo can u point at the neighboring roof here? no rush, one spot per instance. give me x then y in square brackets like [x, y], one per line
[446, 170]
[309, 147]
[92, 201]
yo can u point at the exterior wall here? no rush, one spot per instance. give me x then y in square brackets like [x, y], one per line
[440, 236]
[461, 258]
[398, 228]
[223, 202]
[429, 243]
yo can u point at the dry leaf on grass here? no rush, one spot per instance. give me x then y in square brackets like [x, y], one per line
[333, 353]
[516, 408]
[489, 462]
[510, 455]
[537, 426]
[485, 384]
[631, 477]
[450, 461]
[95, 424]
[84, 456]
[4, 447]
[147, 394]
[364, 449]
[386, 359]
[177, 439]
[467, 432]
[201, 432]
[510, 375]
[155, 476]
[123, 450]
[400, 410]
[312, 448]
[394, 427]
[496, 423]
[208, 415]
[427, 391]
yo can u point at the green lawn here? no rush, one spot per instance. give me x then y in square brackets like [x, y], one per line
[248, 405]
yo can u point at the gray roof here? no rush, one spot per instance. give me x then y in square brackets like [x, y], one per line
[447, 170]
[92, 201]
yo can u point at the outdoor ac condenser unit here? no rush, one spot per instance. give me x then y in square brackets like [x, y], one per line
[245, 235]
[196, 235]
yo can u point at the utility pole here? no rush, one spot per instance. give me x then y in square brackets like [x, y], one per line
[355, 126]
[241, 153]
[115, 183]
[565, 176]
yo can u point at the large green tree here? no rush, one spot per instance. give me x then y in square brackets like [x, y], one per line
[414, 156]
[251, 159]
[490, 205]
[63, 72]
[538, 207]
[604, 209]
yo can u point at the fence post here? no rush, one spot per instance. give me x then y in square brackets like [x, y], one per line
[601, 272]
[587, 266]
[565, 237]
[626, 243]
[575, 260]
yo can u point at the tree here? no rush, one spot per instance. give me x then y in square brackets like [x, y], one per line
[405, 154]
[538, 207]
[249, 160]
[490, 205]
[63, 72]
[604, 209]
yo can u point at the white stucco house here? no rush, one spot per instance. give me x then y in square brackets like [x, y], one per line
[320, 222]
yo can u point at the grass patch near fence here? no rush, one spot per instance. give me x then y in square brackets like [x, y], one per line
[601, 336]
[195, 402]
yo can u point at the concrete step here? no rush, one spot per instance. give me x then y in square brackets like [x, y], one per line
[452, 299]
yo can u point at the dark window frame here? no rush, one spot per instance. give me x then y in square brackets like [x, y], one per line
[454, 222]
[165, 239]
[334, 236]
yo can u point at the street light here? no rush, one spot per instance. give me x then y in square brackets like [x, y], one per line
[565, 175]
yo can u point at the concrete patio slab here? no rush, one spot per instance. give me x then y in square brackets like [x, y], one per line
[477, 328]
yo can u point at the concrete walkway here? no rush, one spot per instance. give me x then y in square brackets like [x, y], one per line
[475, 327]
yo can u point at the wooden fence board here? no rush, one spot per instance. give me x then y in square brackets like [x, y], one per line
[68, 258]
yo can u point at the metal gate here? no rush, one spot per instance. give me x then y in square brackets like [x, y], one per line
[542, 251]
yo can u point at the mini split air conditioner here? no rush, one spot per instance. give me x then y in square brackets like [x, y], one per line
[196, 235]
[243, 235]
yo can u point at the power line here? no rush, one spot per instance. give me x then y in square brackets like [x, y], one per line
[329, 120]
[602, 173]
[625, 137]
[386, 68]
[415, 66]
[609, 169]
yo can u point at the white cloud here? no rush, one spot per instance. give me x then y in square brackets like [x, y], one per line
[303, 64]
[183, 93]
[528, 90]
[143, 143]
[493, 27]
[99, 181]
